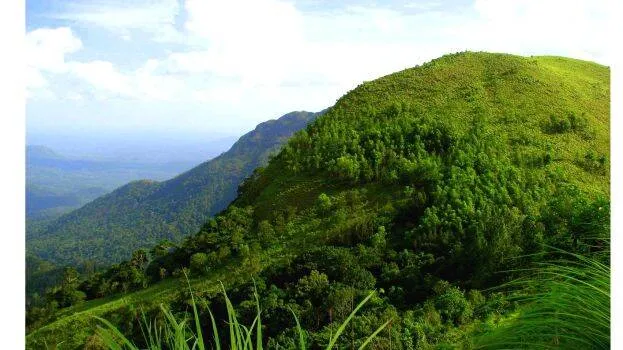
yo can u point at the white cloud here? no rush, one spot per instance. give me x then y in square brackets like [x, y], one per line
[46, 48]
[237, 22]
[151, 86]
[228, 94]
[50, 75]
[103, 76]
[34, 78]
[424, 5]
[74, 96]
[45, 51]
[156, 17]
[107, 82]
[539, 27]
[250, 40]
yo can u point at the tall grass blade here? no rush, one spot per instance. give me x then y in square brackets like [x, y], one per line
[217, 342]
[110, 333]
[259, 319]
[300, 331]
[234, 337]
[196, 315]
[373, 335]
[345, 323]
[566, 305]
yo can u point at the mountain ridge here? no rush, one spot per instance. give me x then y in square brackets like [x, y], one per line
[151, 211]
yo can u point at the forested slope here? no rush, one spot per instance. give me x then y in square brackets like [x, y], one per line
[425, 185]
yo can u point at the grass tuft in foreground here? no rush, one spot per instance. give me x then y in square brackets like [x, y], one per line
[178, 334]
[567, 307]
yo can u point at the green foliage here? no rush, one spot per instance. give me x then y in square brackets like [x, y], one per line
[67, 293]
[451, 303]
[324, 204]
[40, 275]
[347, 167]
[568, 123]
[199, 263]
[266, 232]
[593, 163]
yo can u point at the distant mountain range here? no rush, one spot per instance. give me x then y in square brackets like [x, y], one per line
[57, 184]
[36, 153]
[144, 212]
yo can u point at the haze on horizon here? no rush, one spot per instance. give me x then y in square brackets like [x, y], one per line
[196, 67]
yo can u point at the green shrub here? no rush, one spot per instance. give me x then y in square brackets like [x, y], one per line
[324, 204]
[347, 167]
[199, 263]
[451, 303]
[591, 162]
[569, 123]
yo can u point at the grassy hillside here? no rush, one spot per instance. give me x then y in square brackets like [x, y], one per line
[424, 185]
[142, 213]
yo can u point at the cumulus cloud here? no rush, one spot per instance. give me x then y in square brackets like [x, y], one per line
[46, 48]
[250, 40]
[45, 51]
[50, 74]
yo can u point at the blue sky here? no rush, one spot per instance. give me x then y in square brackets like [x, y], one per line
[208, 67]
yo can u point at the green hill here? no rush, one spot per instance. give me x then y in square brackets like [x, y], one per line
[424, 185]
[142, 213]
